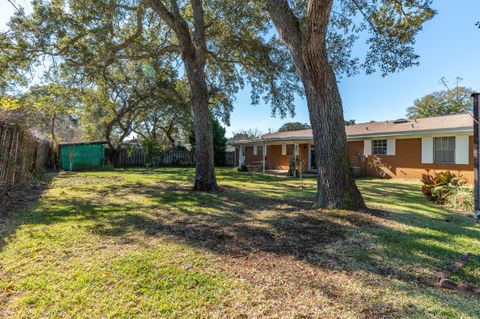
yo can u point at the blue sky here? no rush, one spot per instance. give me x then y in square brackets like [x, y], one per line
[448, 45]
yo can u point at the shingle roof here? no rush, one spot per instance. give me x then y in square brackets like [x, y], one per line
[439, 123]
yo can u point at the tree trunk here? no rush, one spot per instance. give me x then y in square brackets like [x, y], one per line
[194, 55]
[336, 186]
[168, 134]
[205, 179]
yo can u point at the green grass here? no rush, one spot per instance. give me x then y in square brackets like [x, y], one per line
[140, 244]
[470, 273]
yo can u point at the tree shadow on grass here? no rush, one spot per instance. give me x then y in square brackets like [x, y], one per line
[18, 198]
[238, 222]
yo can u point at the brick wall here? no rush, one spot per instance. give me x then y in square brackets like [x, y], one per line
[251, 159]
[355, 152]
[407, 162]
[275, 160]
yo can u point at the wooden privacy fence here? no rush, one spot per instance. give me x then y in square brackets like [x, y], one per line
[137, 158]
[230, 158]
[22, 155]
[170, 158]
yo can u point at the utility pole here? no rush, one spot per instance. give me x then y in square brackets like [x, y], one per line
[476, 170]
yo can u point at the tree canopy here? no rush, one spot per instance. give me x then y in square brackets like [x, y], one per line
[216, 47]
[294, 126]
[446, 102]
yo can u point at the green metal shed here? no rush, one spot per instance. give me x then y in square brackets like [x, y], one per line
[82, 156]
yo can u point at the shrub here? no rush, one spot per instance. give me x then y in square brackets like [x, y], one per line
[461, 198]
[436, 188]
[243, 168]
[295, 165]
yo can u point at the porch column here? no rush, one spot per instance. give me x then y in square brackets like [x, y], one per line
[242, 154]
[294, 159]
[264, 153]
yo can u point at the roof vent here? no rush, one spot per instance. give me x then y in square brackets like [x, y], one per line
[399, 121]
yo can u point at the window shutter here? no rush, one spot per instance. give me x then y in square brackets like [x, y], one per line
[284, 149]
[255, 150]
[427, 150]
[391, 146]
[461, 149]
[367, 147]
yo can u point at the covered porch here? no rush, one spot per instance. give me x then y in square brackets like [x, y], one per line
[276, 157]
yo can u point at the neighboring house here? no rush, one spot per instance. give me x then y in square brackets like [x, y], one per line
[390, 149]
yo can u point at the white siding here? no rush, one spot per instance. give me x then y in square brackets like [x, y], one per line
[367, 147]
[391, 146]
[427, 150]
[461, 149]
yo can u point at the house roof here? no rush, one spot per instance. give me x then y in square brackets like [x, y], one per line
[448, 123]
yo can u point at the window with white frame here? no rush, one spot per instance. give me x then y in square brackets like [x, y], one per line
[444, 150]
[290, 149]
[260, 150]
[379, 147]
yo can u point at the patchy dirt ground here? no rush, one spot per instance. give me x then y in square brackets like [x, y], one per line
[17, 198]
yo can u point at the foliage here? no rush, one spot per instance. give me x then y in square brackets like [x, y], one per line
[445, 102]
[294, 126]
[219, 142]
[244, 134]
[295, 165]
[49, 109]
[167, 120]
[462, 198]
[129, 149]
[243, 168]
[151, 148]
[438, 187]
[389, 28]
[9, 104]
[83, 37]
[349, 122]
[55, 105]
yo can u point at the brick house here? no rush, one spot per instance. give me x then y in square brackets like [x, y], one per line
[390, 149]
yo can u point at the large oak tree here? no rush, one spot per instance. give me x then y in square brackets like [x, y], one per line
[217, 45]
[319, 35]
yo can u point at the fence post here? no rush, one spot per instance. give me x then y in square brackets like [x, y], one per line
[15, 159]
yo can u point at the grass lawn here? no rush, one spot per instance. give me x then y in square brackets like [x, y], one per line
[140, 244]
